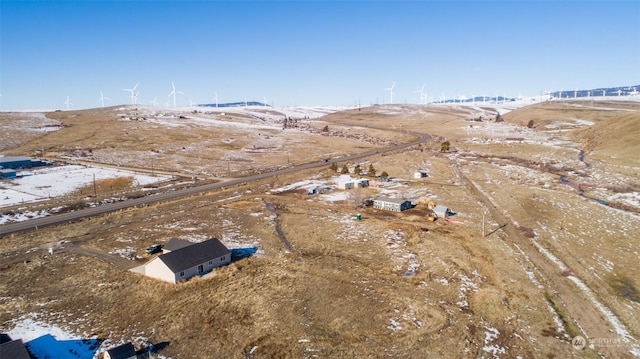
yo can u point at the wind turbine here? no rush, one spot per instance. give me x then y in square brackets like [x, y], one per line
[216, 99]
[155, 102]
[173, 93]
[102, 98]
[575, 93]
[68, 102]
[134, 98]
[390, 89]
[421, 92]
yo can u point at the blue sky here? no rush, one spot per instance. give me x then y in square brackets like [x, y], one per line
[309, 53]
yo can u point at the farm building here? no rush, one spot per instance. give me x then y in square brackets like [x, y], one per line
[391, 204]
[441, 211]
[359, 183]
[124, 351]
[319, 190]
[186, 261]
[16, 162]
[7, 173]
[13, 349]
[420, 174]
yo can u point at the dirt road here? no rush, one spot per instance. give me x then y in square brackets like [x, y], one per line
[565, 292]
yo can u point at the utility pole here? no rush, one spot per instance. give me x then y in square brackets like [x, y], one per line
[482, 224]
[95, 191]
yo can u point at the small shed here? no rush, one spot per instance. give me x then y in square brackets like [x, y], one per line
[362, 182]
[346, 185]
[7, 173]
[124, 351]
[420, 174]
[441, 211]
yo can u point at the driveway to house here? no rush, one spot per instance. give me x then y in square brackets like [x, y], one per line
[69, 217]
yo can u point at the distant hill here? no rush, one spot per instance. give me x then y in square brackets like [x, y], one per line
[604, 91]
[235, 104]
[615, 140]
[607, 130]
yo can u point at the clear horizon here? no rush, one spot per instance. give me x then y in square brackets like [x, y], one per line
[309, 53]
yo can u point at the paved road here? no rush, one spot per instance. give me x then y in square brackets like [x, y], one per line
[106, 208]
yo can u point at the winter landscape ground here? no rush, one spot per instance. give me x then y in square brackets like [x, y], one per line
[543, 246]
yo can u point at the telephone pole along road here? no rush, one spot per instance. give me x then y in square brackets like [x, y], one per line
[171, 195]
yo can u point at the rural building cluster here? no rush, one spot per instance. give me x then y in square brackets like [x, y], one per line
[10, 164]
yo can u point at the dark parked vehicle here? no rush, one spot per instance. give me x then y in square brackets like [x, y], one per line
[155, 248]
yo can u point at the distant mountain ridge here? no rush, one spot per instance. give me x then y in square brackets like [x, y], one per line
[235, 104]
[603, 91]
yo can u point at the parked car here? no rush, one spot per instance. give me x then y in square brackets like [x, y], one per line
[154, 248]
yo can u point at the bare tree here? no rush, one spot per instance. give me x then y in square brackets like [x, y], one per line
[356, 197]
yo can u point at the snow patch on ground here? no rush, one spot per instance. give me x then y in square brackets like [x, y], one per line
[47, 182]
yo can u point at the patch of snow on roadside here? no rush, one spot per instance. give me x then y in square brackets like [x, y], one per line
[47, 182]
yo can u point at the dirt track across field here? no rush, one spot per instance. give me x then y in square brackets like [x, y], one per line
[581, 310]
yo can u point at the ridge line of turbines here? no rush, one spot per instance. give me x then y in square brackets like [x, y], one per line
[134, 97]
[423, 96]
[461, 98]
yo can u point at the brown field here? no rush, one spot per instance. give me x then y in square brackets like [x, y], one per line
[553, 264]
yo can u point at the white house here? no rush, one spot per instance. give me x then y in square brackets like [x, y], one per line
[358, 183]
[420, 174]
[183, 260]
[391, 204]
[345, 185]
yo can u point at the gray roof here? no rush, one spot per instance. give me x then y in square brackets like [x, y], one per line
[193, 255]
[124, 351]
[391, 200]
[13, 158]
[441, 209]
[175, 243]
[13, 349]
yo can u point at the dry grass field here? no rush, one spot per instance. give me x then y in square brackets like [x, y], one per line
[554, 263]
